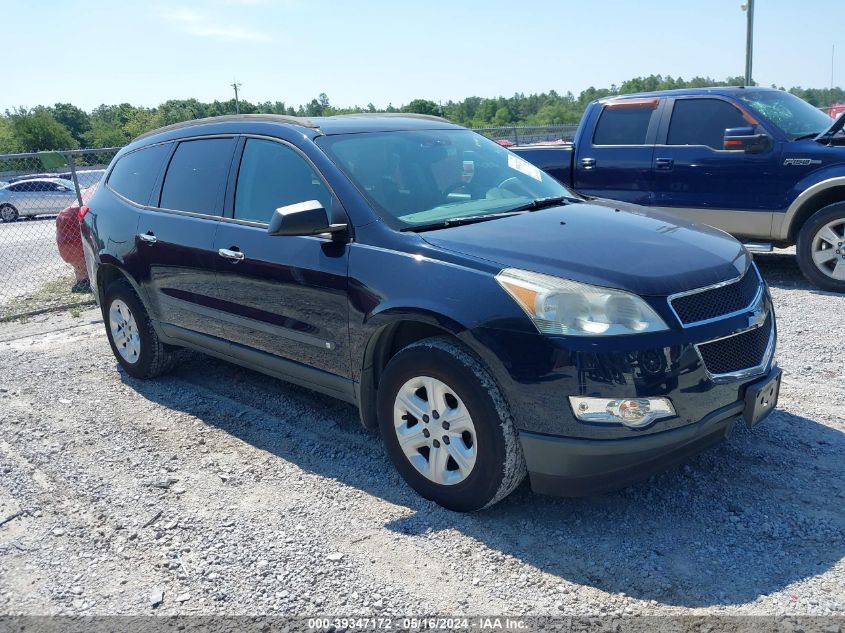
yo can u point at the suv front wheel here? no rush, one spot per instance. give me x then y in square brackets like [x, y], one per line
[447, 428]
[821, 248]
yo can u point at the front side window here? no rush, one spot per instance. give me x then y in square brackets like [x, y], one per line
[623, 124]
[273, 175]
[794, 116]
[703, 122]
[32, 186]
[414, 178]
[196, 176]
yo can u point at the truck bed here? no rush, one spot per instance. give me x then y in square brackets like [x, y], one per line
[555, 159]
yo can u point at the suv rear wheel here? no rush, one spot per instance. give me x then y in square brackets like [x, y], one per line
[447, 428]
[821, 248]
[133, 340]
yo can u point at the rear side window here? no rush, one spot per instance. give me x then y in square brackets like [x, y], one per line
[273, 175]
[196, 176]
[623, 125]
[703, 122]
[135, 174]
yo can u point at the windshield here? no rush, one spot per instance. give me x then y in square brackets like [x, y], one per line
[794, 116]
[419, 177]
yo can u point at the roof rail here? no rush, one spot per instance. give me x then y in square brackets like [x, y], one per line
[404, 115]
[277, 118]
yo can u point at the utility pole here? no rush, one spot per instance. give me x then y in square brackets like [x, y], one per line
[748, 7]
[832, 56]
[236, 85]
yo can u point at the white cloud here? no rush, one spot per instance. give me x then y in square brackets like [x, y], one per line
[196, 23]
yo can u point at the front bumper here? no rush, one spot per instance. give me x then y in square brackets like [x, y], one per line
[573, 467]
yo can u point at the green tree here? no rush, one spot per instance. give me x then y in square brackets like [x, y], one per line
[37, 130]
[422, 106]
[74, 119]
[8, 143]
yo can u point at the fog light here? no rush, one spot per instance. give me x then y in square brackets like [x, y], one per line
[632, 412]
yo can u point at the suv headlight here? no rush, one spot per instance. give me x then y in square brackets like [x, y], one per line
[561, 306]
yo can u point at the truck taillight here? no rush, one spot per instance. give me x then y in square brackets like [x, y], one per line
[83, 211]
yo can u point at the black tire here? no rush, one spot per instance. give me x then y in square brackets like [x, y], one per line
[155, 358]
[499, 464]
[8, 213]
[806, 238]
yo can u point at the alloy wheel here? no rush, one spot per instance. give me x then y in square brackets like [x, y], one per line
[828, 249]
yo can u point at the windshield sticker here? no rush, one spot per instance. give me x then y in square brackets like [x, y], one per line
[524, 167]
[469, 171]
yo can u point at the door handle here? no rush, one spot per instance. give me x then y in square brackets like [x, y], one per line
[148, 237]
[588, 163]
[231, 254]
[664, 163]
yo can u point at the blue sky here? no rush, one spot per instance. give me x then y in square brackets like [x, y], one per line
[360, 51]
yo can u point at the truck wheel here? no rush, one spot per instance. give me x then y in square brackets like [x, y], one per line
[8, 213]
[133, 340]
[821, 248]
[447, 428]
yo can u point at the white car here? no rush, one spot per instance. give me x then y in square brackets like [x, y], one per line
[38, 196]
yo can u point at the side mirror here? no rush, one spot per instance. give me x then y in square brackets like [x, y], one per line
[303, 218]
[747, 140]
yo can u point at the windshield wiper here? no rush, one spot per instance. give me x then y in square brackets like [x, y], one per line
[534, 205]
[804, 137]
[542, 203]
[459, 221]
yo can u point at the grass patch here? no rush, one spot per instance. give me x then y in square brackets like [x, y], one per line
[52, 295]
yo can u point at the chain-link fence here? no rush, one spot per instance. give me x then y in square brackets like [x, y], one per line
[529, 134]
[41, 261]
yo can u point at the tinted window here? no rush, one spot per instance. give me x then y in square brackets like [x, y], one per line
[703, 122]
[135, 174]
[31, 186]
[196, 175]
[273, 175]
[623, 126]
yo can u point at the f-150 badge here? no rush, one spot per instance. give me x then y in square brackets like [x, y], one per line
[802, 162]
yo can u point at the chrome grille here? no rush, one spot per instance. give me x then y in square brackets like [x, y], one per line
[717, 301]
[746, 350]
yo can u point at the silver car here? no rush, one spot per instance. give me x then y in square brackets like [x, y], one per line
[38, 196]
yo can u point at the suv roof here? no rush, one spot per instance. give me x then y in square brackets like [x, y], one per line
[318, 126]
[724, 91]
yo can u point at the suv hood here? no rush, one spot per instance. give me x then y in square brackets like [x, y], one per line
[605, 243]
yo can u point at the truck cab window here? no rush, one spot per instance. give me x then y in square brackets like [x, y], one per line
[623, 126]
[703, 122]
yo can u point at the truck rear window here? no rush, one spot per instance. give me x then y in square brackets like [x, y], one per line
[622, 126]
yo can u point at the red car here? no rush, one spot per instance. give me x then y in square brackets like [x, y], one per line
[69, 240]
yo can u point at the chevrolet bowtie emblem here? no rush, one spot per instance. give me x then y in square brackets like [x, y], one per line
[757, 317]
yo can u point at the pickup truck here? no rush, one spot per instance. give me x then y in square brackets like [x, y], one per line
[758, 163]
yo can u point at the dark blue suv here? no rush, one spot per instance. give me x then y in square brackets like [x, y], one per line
[487, 320]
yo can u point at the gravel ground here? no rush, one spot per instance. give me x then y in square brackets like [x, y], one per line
[216, 490]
